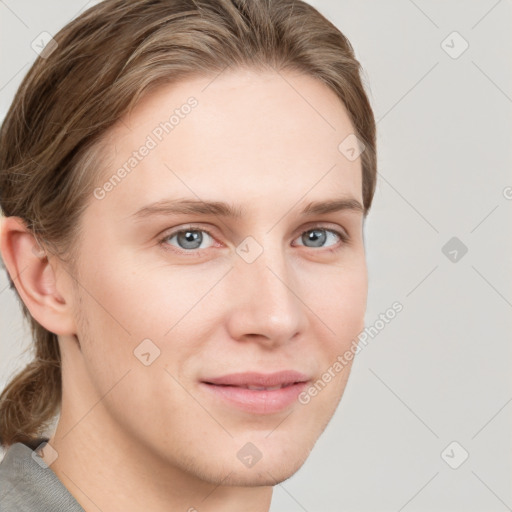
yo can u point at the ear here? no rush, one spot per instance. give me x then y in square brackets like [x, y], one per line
[45, 288]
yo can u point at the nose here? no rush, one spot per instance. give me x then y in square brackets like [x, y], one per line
[267, 306]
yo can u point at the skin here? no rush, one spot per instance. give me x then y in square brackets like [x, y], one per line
[133, 437]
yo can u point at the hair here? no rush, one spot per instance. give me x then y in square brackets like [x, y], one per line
[98, 68]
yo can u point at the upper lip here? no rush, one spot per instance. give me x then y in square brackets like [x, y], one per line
[259, 379]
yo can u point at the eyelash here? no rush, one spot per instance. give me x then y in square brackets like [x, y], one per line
[341, 235]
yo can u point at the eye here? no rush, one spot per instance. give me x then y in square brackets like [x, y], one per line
[318, 236]
[189, 239]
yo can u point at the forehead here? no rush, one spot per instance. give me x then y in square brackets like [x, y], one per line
[243, 136]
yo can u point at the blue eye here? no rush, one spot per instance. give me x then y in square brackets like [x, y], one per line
[191, 239]
[318, 236]
[188, 239]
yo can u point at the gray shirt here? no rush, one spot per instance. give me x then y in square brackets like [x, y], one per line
[27, 484]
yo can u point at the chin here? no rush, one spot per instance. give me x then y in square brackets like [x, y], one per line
[273, 465]
[260, 475]
[278, 462]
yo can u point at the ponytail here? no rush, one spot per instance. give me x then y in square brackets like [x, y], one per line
[31, 400]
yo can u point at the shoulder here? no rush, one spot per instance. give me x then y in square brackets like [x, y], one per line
[28, 484]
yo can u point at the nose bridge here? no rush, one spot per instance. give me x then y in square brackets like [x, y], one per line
[267, 302]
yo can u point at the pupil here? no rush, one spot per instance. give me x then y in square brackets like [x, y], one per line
[190, 239]
[317, 235]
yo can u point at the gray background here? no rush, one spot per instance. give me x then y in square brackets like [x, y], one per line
[440, 371]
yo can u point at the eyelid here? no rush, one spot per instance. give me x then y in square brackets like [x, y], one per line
[329, 226]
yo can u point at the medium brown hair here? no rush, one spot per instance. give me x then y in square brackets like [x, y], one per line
[102, 64]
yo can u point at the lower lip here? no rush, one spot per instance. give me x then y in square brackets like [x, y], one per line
[257, 402]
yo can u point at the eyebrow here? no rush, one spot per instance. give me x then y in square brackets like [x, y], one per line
[222, 209]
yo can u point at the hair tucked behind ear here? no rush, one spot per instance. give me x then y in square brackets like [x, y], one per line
[104, 62]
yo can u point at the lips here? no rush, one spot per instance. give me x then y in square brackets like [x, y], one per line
[256, 393]
[261, 388]
[259, 381]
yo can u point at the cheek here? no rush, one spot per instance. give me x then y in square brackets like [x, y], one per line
[341, 302]
[130, 301]
[125, 305]
[120, 309]
[351, 301]
[342, 307]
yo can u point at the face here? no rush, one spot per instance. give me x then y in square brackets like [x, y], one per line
[173, 295]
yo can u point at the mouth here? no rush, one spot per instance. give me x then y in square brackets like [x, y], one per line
[255, 388]
[270, 394]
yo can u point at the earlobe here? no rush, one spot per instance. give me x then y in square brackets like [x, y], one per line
[46, 293]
